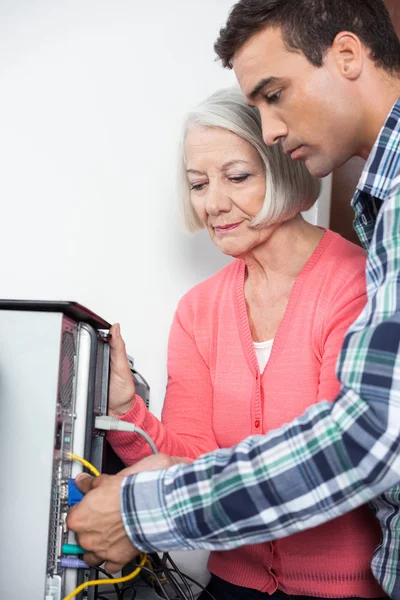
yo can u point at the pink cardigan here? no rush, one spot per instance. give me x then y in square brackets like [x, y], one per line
[216, 397]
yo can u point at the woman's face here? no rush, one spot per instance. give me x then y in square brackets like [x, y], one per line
[227, 180]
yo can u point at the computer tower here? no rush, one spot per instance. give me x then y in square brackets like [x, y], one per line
[54, 375]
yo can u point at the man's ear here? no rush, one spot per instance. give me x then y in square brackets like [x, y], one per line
[348, 53]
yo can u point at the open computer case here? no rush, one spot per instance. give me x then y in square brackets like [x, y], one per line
[54, 375]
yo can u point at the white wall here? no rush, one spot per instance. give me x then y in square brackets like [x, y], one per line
[92, 95]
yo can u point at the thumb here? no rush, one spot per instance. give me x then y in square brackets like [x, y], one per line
[84, 482]
[118, 357]
[116, 342]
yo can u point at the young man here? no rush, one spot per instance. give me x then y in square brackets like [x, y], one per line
[325, 75]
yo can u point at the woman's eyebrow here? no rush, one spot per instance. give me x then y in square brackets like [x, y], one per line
[234, 162]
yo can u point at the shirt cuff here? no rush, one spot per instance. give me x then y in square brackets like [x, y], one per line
[145, 513]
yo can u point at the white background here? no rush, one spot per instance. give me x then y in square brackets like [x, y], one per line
[92, 97]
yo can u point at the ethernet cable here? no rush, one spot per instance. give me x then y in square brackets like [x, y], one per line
[83, 586]
[83, 462]
[113, 424]
[143, 557]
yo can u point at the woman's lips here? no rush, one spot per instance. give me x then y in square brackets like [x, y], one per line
[226, 228]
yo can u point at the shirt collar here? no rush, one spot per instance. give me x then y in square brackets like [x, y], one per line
[384, 160]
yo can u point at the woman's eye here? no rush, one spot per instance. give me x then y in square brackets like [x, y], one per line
[197, 186]
[273, 98]
[239, 178]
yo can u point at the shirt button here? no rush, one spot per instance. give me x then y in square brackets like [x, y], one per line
[257, 424]
[364, 219]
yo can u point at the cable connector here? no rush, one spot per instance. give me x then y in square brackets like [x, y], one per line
[112, 424]
[74, 494]
[73, 549]
[72, 563]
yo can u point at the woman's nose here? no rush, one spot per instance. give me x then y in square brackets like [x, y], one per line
[217, 200]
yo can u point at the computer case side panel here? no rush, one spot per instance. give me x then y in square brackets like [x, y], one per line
[29, 378]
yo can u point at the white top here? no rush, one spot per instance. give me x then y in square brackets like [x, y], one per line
[263, 352]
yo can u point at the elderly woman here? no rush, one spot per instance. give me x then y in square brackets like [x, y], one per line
[253, 346]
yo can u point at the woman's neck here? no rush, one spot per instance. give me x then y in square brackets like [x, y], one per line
[285, 252]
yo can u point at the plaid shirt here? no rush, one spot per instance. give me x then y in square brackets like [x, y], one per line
[330, 460]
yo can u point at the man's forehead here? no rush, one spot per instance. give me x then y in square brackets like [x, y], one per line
[260, 57]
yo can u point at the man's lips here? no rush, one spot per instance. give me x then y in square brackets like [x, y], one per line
[294, 152]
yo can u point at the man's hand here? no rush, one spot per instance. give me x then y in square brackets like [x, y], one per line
[154, 462]
[97, 519]
[98, 524]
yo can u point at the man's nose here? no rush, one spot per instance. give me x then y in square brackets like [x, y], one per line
[273, 128]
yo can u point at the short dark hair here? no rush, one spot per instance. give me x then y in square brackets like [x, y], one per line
[311, 27]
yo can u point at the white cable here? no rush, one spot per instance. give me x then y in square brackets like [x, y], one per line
[112, 424]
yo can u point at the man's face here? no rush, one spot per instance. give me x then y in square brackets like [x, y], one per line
[310, 110]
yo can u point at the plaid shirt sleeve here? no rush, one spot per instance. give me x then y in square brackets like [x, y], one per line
[323, 464]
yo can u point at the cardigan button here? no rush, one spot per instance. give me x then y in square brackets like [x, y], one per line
[257, 423]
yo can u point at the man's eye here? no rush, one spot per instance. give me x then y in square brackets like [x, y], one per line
[272, 98]
[197, 186]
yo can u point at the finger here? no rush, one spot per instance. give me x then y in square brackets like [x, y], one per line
[116, 342]
[177, 460]
[112, 567]
[84, 482]
[153, 463]
[118, 355]
[150, 463]
[98, 481]
[114, 333]
[92, 559]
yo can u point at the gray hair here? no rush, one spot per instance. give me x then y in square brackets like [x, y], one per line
[290, 188]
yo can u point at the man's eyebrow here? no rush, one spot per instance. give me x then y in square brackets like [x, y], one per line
[194, 171]
[262, 84]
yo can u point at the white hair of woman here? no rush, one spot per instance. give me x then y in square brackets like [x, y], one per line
[290, 189]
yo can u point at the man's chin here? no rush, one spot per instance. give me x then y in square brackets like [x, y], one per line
[318, 169]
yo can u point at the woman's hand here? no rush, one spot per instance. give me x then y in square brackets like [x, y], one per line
[121, 396]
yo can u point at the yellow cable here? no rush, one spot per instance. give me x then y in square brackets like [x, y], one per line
[83, 462]
[143, 557]
[83, 586]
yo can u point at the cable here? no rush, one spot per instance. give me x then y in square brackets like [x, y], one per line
[83, 462]
[158, 581]
[110, 577]
[106, 423]
[195, 582]
[170, 578]
[93, 582]
[127, 589]
[112, 424]
[166, 557]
